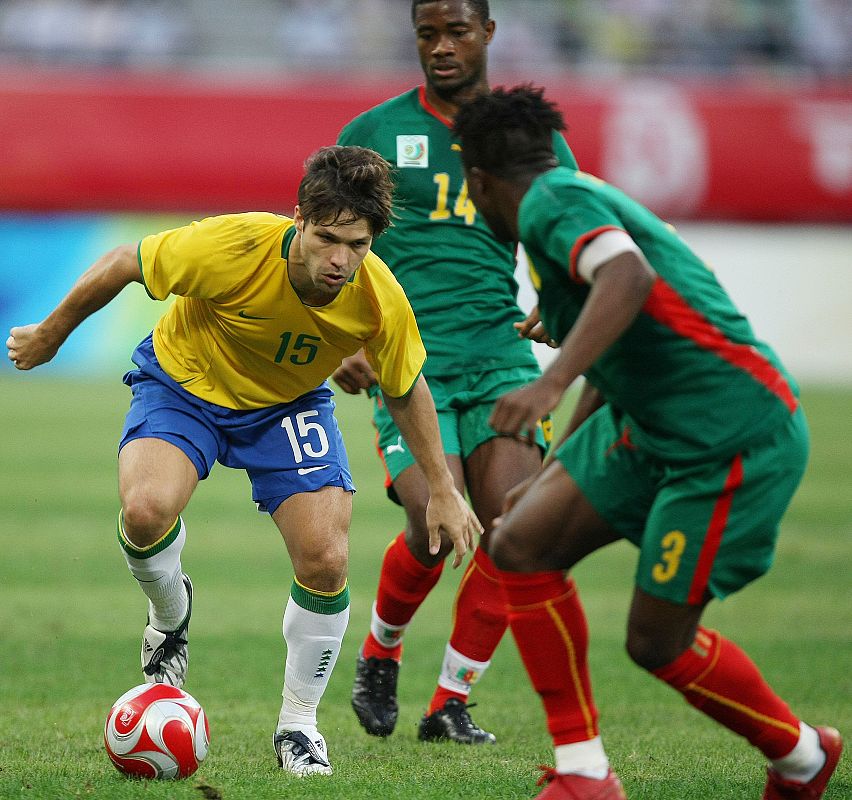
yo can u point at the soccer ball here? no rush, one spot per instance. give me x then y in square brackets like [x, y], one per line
[156, 731]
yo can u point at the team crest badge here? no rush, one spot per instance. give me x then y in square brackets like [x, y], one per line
[412, 150]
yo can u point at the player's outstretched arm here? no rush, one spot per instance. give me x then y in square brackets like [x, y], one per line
[417, 420]
[31, 345]
[354, 374]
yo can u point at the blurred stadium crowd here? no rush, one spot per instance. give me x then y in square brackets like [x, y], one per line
[808, 38]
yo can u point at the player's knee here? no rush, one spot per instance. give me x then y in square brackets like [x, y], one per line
[323, 570]
[145, 519]
[505, 552]
[650, 652]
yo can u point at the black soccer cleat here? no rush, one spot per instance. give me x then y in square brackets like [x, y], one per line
[453, 722]
[374, 694]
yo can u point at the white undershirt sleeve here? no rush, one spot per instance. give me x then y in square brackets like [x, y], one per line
[604, 247]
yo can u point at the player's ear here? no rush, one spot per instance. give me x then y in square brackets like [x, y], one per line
[490, 27]
[298, 219]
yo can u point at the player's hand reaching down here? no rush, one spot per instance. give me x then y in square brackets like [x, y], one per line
[532, 328]
[518, 413]
[354, 374]
[448, 512]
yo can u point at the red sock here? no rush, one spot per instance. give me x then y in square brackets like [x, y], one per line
[719, 679]
[479, 618]
[403, 585]
[549, 626]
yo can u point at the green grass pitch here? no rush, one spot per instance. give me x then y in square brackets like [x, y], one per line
[71, 618]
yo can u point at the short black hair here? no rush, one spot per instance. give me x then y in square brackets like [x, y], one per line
[508, 131]
[342, 184]
[479, 6]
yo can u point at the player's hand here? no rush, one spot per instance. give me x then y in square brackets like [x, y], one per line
[354, 374]
[533, 328]
[448, 512]
[27, 347]
[518, 413]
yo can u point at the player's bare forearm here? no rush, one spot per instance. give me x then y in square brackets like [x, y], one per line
[417, 420]
[620, 289]
[29, 346]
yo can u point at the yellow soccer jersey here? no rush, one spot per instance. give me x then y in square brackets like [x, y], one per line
[239, 336]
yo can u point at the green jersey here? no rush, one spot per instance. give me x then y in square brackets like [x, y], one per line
[689, 373]
[459, 279]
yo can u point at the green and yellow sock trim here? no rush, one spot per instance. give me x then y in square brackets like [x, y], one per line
[152, 549]
[320, 602]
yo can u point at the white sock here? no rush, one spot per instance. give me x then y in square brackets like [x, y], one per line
[384, 633]
[157, 569]
[805, 760]
[313, 635]
[458, 672]
[583, 758]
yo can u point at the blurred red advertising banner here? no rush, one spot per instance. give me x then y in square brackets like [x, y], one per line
[709, 150]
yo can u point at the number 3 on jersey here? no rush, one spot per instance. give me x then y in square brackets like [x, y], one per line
[463, 207]
[303, 435]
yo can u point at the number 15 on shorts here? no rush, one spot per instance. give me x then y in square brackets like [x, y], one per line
[306, 437]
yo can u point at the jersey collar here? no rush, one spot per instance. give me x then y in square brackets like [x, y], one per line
[430, 109]
[289, 235]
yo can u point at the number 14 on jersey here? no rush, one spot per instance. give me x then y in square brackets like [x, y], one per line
[463, 207]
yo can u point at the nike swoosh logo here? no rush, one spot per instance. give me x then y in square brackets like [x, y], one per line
[306, 470]
[249, 316]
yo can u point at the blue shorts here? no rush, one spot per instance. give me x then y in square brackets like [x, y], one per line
[285, 449]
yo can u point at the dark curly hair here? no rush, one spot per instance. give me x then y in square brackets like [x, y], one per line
[342, 184]
[509, 131]
[479, 6]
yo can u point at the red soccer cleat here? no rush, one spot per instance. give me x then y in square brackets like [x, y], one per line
[779, 789]
[576, 787]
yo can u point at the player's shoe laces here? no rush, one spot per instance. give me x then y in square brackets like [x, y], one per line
[578, 787]
[374, 694]
[302, 753]
[165, 654]
[453, 722]
[777, 788]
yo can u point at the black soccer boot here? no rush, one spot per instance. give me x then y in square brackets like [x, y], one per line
[374, 694]
[453, 722]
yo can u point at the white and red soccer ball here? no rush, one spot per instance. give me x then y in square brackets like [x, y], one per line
[156, 731]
